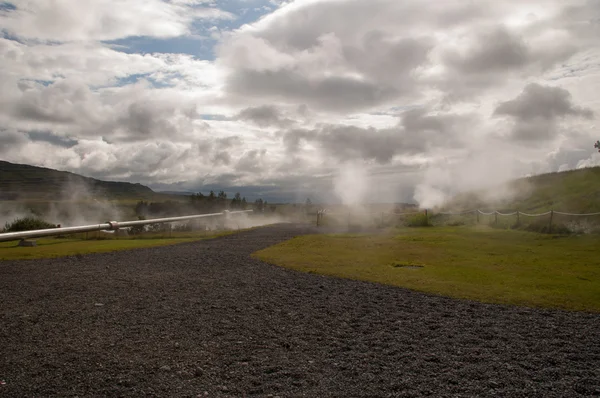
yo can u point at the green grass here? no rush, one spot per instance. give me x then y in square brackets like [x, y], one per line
[477, 263]
[69, 246]
[574, 191]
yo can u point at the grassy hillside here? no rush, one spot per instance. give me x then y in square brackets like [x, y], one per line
[575, 191]
[25, 182]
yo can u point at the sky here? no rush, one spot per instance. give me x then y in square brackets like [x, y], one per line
[352, 100]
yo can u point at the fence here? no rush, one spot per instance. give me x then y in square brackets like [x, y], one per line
[109, 226]
[551, 221]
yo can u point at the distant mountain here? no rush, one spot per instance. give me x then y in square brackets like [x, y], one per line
[25, 182]
[179, 193]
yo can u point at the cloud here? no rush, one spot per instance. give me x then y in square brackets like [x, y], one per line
[329, 72]
[81, 20]
[537, 101]
[264, 116]
[442, 96]
[417, 132]
[536, 110]
[252, 161]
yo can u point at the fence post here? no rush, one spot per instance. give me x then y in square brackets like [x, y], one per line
[496, 218]
[426, 218]
[550, 224]
[477, 212]
[518, 220]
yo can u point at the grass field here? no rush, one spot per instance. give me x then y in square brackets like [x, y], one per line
[59, 247]
[478, 263]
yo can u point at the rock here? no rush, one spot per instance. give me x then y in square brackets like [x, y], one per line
[27, 243]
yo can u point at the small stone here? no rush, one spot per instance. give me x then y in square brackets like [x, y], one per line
[165, 368]
[99, 304]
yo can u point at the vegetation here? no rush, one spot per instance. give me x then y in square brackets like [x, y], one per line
[575, 191]
[197, 203]
[99, 242]
[418, 220]
[478, 263]
[21, 180]
[26, 224]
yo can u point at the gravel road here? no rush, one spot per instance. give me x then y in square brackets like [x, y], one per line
[204, 319]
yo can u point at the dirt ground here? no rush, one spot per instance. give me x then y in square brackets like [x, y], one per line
[205, 319]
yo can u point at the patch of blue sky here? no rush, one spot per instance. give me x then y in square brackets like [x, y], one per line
[200, 48]
[200, 44]
[7, 6]
[132, 79]
[44, 83]
[214, 117]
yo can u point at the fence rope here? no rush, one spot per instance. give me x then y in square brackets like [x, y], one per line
[515, 213]
[535, 215]
[506, 214]
[575, 214]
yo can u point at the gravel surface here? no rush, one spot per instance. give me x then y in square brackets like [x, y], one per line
[204, 319]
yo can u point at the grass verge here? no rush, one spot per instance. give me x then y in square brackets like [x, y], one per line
[74, 245]
[477, 263]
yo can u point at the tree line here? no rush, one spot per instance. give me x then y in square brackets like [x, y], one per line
[198, 203]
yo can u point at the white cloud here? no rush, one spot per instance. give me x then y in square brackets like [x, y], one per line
[83, 20]
[421, 95]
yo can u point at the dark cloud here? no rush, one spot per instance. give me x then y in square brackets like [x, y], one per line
[335, 72]
[11, 139]
[537, 101]
[265, 116]
[252, 161]
[498, 50]
[144, 118]
[222, 158]
[493, 55]
[537, 110]
[219, 149]
[62, 102]
[582, 19]
[417, 132]
[51, 138]
[387, 59]
[336, 93]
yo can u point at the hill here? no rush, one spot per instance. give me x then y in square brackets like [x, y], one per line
[25, 182]
[574, 191]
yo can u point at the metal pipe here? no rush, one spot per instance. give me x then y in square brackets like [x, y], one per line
[107, 226]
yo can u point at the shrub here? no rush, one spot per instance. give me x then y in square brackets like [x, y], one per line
[27, 224]
[418, 220]
[544, 228]
[138, 229]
